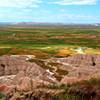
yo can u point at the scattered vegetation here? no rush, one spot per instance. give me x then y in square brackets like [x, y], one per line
[62, 72]
[88, 90]
[1, 95]
[65, 96]
[48, 40]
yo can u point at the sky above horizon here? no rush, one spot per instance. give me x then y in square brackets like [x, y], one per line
[53, 11]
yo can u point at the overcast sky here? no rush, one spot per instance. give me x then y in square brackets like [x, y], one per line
[63, 11]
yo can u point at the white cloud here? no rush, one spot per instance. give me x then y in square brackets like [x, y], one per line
[74, 16]
[20, 3]
[82, 16]
[75, 2]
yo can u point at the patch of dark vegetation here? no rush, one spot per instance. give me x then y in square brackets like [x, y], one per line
[63, 87]
[4, 51]
[41, 64]
[1, 96]
[84, 90]
[62, 72]
[58, 77]
[54, 64]
[88, 90]
[65, 96]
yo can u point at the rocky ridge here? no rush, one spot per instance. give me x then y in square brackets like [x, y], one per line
[18, 75]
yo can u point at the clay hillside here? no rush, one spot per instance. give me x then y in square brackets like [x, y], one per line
[22, 78]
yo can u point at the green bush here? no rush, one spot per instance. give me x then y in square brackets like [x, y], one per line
[1, 95]
[65, 96]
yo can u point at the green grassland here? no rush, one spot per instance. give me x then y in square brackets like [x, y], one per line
[40, 38]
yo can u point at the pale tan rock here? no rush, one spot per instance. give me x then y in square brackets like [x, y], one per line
[25, 84]
[16, 79]
[6, 89]
[70, 80]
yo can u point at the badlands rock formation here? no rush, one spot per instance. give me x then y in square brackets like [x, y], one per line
[12, 65]
[80, 67]
[18, 74]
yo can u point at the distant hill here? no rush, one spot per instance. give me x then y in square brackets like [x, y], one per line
[47, 24]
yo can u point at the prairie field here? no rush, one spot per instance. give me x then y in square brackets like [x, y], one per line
[51, 40]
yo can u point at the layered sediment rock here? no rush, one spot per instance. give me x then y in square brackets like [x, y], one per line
[81, 67]
[13, 65]
[18, 75]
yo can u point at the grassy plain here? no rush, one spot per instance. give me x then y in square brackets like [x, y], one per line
[47, 39]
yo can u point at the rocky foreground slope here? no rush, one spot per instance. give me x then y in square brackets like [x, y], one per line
[30, 76]
[81, 66]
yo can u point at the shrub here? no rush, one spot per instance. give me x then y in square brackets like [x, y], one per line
[1, 95]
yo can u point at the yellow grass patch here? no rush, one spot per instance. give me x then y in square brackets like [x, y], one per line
[65, 52]
[92, 51]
